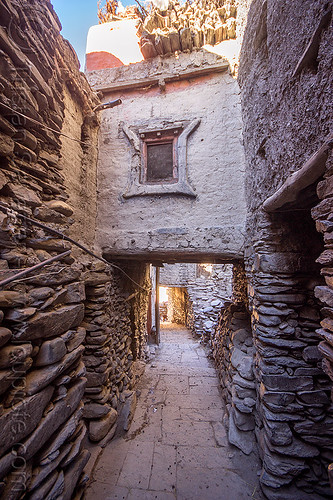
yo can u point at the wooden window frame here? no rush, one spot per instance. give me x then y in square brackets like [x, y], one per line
[165, 139]
[137, 185]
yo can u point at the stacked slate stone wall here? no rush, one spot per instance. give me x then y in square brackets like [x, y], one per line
[233, 353]
[294, 414]
[42, 376]
[42, 384]
[107, 355]
[190, 316]
[137, 287]
[74, 305]
[239, 284]
[286, 97]
[323, 216]
[177, 305]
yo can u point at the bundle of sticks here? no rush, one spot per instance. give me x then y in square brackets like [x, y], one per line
[179, 27]
[182, 27]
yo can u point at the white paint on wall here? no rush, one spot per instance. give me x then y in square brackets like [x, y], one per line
[161, 225]
[118, 38]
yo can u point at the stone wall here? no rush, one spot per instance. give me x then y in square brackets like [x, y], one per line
[286, 96]
[233, 355]
[42, 373]
[116, 334]
[177, 312]
[233, 352]
[207, 287]
[322, 214]
[138, 287]
[107, 351]
[73, 305]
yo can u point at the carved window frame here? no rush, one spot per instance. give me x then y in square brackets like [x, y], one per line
[180, 185]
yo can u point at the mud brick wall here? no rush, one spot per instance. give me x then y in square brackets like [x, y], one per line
[286, 98]
[42, 376]
[158, 220]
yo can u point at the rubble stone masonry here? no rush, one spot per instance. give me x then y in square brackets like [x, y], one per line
[66, 336]
[204, 292]
[286, 101]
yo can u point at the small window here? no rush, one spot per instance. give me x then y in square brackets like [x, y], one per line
[159, 159]
[160, 162]
[159, 150]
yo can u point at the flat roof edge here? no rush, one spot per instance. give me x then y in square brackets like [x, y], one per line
[161, 78]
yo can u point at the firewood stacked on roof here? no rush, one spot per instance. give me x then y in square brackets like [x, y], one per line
[188, 26]
[181, 27]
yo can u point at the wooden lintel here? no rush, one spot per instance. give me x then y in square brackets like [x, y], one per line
[170, 257]
[156, 80]
[310, 172]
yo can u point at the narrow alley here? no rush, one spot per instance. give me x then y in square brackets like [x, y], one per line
[166, 250]
[177, 446]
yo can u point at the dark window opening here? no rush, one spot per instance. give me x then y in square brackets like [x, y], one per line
[159, 154]
[160, 162]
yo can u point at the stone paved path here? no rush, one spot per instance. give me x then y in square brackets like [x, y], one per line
[176, 447]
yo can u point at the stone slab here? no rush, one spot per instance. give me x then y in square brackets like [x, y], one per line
[53, 420]
[20, 420]
[52, 324]
[40, 378]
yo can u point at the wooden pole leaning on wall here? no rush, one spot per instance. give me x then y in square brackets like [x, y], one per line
[309, 173]
[29, 270]
[157, 307]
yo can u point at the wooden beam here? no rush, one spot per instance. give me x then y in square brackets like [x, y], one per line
[29, 270]
[310, 172]
[157, 308]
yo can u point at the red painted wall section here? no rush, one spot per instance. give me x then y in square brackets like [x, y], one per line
[102, 60]
[113, 44]
[177, 86]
